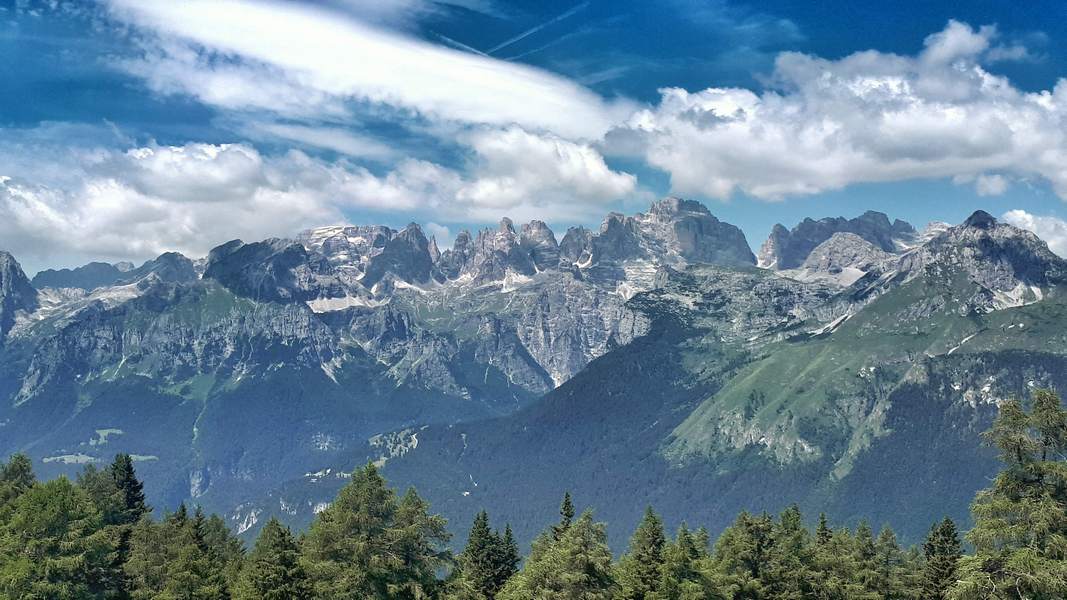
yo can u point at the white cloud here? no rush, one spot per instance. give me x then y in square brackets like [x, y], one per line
[868, 117]
[325, 137]
[404, 12]
[990, 185]
[1051, 229]
[439, 232]
[92, 202]
[298, 60]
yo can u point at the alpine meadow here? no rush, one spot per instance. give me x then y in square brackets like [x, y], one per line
[514, 300]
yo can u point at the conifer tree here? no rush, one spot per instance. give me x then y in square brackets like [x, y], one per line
[741, 555]
[566, 516]
[131, 488]
[52, 544]
[369, 545]
[835, 568]
[487, 562]
[787, 572]
[942, 551]
[864, 554]
[16, 476]
[1020, 532]
[171, 559]
[577, 566]
[638, 572]
[889, 566]
[702, 540]
[682, 574]
[823, 533]
[508, 564]
[272, 570]
[478, 561]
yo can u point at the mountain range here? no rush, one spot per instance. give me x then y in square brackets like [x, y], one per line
[850, 366]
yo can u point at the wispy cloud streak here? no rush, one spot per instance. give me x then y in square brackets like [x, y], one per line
[565, 15]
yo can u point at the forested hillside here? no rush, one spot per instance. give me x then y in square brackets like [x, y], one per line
[97, 538]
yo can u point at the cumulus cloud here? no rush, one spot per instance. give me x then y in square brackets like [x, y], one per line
[868, 117]
[138, 202]
[1051, 229]
[990, 185]
[300, 60]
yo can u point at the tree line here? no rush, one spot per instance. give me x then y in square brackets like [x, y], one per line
[96, 538]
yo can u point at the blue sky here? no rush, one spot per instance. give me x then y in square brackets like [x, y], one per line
[132, 127]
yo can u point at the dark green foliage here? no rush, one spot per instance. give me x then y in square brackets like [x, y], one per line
[369, 545]
[788, 570]
[1020, 532]
[576, 566]
[131, 488]
[173, 559]
[488, 561]
[638, 572]
[683, 573]
[16, 476]
[742, 555]
[53, 545]
[942, 552]
[566, 516]
[97, 539]
[272, 570]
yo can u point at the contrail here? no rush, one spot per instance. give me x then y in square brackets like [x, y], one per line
[534, 30]
[458, 44]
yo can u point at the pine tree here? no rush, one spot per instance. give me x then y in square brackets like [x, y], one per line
[508, 563]
[487, 562]
[864, 554]
[787, 572]
[823, 533]
[682, 576]
[131, 488]
[889, 566]
[369, 545]
[741, 556]
[16, 476]
[836, 570]
[273, 570]
[110, 503]
[638, 572]
[53, 545]
[180, 516]
[173, 559]
[942, 551]
[1020, 532]
[566, 516]
[576, 566]
[225, 550]
[478, 561]
[702, 539]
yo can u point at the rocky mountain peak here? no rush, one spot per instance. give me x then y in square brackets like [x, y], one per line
[539, 242]
[980, 219]
[16, 292]
[406, 256]
[788, 249]
[1013, 265]
[172, 267]
[275, 269]
[670, 207]
[435, 252]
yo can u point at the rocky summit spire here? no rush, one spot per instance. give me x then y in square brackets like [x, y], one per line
[16, 293]
[980, 219]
